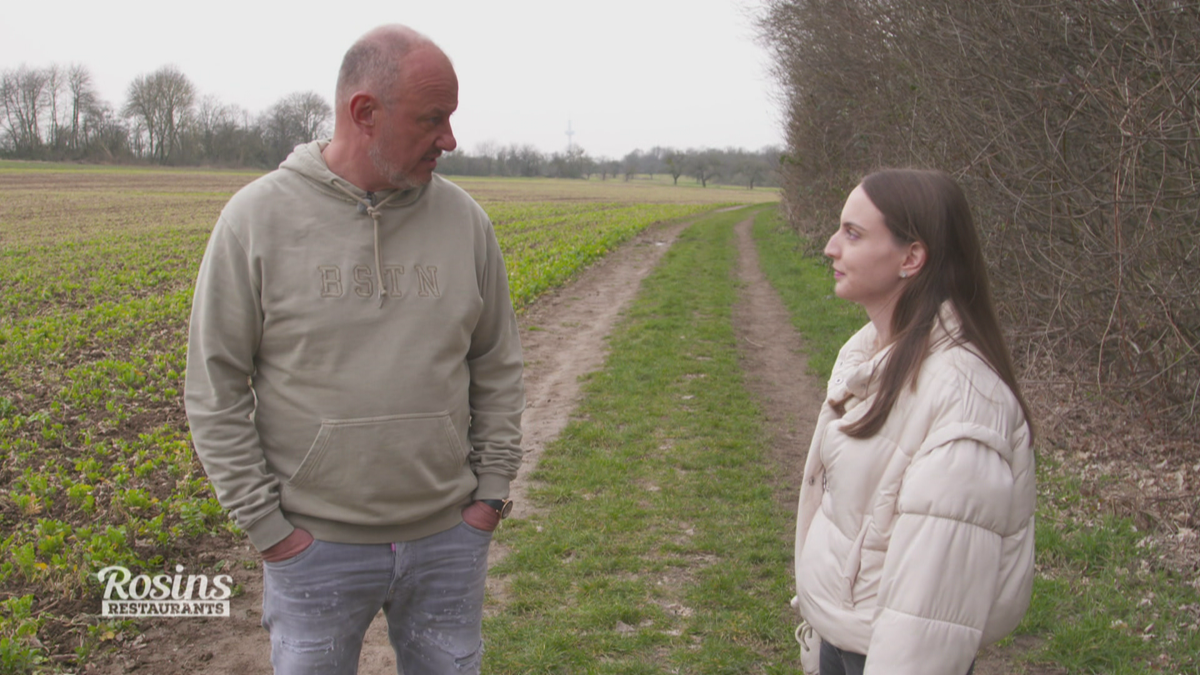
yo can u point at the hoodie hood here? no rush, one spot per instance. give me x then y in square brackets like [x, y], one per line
[307, 161]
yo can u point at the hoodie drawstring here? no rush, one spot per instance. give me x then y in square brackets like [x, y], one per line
[378, 261]
[374, 210]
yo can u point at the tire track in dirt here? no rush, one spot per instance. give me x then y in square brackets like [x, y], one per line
[563, 336]
[775, 368]
[776, 373]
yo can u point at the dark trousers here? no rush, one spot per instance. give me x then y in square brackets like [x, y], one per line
[836, 661]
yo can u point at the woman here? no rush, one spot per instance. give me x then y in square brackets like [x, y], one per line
[914, 539]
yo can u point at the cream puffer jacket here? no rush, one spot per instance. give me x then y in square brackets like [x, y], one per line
[915, 546]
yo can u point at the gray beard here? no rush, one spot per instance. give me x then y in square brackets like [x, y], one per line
[396, 178]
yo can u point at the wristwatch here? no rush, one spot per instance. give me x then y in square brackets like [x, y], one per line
[502, 506]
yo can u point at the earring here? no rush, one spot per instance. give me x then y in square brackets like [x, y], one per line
[903, 275]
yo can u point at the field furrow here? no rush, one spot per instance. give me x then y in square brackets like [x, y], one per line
[96, 270]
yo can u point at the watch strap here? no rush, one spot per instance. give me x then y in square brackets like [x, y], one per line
[502, 506]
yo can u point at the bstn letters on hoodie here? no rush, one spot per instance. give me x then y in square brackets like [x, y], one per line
[361, 281]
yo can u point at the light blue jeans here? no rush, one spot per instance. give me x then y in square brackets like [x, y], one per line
[318, 604]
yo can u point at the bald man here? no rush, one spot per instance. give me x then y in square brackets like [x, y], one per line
[354, 376]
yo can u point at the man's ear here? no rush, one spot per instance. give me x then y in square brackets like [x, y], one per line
[914, 259]
[363, 107]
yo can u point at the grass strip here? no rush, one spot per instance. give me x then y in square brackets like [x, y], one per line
[96, 467]
[658, 546]
[1101, 602]
[806, 286]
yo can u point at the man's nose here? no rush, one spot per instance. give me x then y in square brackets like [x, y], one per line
[446, 141]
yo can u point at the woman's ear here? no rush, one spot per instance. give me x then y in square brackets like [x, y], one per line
[914, 260]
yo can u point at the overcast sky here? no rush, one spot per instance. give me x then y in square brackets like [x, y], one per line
[626, 74]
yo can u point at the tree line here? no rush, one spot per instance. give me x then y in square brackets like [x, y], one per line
[731, 166]
[1073, 126]
[55, 113]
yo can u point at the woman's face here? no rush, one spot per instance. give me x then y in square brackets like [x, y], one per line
[867, 259]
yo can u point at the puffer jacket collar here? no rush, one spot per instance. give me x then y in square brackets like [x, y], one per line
[855, 375]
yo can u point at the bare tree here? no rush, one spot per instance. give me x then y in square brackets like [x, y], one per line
[607, 166]
[486, 151]
[313, 113]
[297, 118]
[23, 96]
[53, 92]
[675, 162]
[520, 160]
[225, 135]
[104, 133]
[82, 100]
[161, 102]
[631, 163]
[703, 165]
[46, 112]
[751, 170]
[210, 115]
[573, 163]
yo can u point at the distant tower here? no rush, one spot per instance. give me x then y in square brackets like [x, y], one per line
[570, 145]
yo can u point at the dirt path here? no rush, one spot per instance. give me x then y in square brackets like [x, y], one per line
[563, 336]
[775, 367]
[776, 373]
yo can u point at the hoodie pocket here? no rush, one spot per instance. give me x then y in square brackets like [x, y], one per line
[381, 470]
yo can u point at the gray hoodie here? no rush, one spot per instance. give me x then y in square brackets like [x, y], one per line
[354, 366]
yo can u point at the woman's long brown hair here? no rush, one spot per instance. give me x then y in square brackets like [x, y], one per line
[929, 207]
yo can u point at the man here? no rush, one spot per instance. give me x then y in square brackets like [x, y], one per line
[354, 375]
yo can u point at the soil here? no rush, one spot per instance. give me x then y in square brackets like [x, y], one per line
[564, 336]
[776, 370]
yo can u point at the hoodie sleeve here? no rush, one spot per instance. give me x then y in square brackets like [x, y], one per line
[224, 334]
[497, 392]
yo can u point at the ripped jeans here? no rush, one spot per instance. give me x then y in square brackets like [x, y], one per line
[318, 604]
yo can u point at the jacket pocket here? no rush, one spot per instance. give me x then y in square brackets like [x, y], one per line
[381, 470]
[862, 570]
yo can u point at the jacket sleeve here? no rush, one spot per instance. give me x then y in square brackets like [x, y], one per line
[223, 337]
[940, 574]
[497, 392]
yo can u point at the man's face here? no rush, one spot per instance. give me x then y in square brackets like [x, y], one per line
[413, 125]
